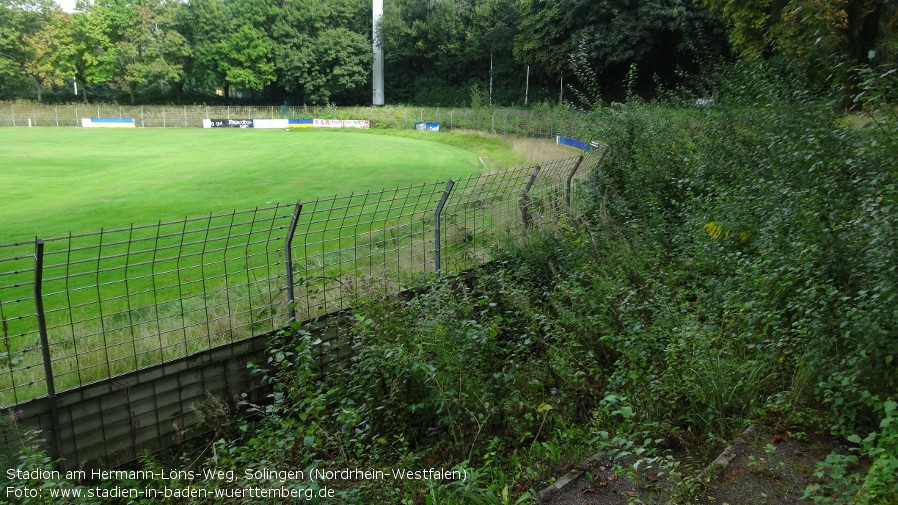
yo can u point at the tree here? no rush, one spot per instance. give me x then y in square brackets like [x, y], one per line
[438, 51]
[543, 36]
[230, 46]
[50, 53]
[95, 51]
[245, 59]
[851, 28]
[19, 19]
[329, 63]
[319, 51]
[660, 37]
[148, 46]
[423, 41]
[605, 39]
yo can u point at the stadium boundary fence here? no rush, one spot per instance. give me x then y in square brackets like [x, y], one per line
[538, 122]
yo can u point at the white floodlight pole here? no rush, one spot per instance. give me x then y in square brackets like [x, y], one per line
[377, 78]
[527, 86]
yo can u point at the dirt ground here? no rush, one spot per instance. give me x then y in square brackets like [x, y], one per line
[760, 467]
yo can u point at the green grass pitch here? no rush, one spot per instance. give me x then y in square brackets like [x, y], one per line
[61, 180]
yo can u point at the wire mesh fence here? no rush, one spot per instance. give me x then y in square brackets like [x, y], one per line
[530, 123]
[81, 308]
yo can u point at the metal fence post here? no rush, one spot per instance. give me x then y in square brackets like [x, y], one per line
[525, 198]
[288, 259]
[570, 177]
[436, 226]
[45, 344]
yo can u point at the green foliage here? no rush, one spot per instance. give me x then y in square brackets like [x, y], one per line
[319, 50]
[33, 458]
[148, 46]
[541, 38]
[842, 482]
[762, 235]
[664, 38]
[314, 51]
[51, 52]
[18, 19]
[809, 30]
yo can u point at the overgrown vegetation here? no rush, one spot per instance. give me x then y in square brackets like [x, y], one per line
[737, 265]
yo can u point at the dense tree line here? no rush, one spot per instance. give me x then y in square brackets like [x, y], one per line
[438, 52]
[312, 51]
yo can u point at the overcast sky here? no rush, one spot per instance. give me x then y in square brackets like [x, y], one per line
[67, 5]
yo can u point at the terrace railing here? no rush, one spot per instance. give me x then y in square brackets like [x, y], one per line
[85, 307]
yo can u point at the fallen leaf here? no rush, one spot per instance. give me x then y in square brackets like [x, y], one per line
[764, 495]
[777, 439]
[632, 494]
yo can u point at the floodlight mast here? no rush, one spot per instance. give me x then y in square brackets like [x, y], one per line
[377, 79]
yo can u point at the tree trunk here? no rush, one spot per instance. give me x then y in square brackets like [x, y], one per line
[37, 84]
[227, 93]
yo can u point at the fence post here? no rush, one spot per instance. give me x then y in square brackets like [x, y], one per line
[56, 115]
[525, 198]
[185, 117]
[288, 259]
[45, 345]
[436, 226]
[163, 118]
[570, 177]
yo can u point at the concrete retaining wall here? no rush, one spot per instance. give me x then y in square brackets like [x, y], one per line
[112, 422]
